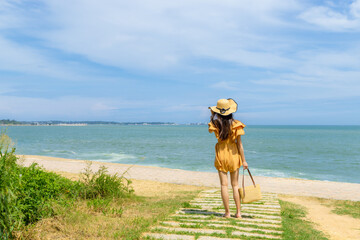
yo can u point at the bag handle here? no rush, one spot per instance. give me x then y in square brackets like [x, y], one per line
[243, 179]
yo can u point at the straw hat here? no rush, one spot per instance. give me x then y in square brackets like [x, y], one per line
[225, 106]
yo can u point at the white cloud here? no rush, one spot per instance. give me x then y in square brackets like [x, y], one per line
[334, 20]
[162, 35]
[100, 106]
[15, 57]
[30, 61]
[9, 15]
[355, 9]
[158, 35]
[197, 111]
[320, 74]
[226, 85]
[184, 107]
[74, 107]
[22, 59]
[33, 107]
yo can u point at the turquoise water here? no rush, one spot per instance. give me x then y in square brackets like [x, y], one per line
[310, 152]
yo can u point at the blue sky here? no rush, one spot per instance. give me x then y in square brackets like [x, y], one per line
[284, 62]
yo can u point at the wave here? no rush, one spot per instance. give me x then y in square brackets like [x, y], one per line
[109, 157]
[299, 175]
[250, 151]
[59, 151]
[270, 173]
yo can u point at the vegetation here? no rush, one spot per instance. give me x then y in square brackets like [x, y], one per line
[9, 122]
[350, 208]
[124, 218]
[341, 207]
[28, 194]
[295, 227]
[56, 122]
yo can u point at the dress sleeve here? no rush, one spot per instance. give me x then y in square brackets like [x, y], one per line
[214, 129]
[238, 129]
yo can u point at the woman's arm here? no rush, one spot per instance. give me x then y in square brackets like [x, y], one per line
[241, 150]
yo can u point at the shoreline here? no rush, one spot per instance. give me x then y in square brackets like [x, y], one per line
[154, 166]
[293, 186]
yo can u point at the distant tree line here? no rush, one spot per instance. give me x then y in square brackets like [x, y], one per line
[9, 122]
[56, 122]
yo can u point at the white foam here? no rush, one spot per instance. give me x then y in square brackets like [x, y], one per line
[59, 151]
[108, 157]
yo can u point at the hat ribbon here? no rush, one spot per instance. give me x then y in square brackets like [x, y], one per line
[222, 110]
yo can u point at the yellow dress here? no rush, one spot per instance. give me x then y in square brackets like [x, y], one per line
[227, 156]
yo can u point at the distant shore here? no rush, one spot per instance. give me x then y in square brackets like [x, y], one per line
[316, 188]
[8, 122]
[34, 125]
[102, 124]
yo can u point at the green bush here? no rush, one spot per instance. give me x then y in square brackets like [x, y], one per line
[37, 189]
[27, 194]
[10, 214]
[101, 184]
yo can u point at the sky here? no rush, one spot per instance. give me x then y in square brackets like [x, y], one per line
[284, 62]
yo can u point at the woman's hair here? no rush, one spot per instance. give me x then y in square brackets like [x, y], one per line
[223, 123]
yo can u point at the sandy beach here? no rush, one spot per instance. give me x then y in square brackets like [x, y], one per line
[300, 187]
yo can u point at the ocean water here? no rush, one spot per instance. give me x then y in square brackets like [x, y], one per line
[329, 153]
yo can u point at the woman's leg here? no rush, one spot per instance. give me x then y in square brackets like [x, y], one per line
[224, 192]
[234, 176]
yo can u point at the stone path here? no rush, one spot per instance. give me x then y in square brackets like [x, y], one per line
[202, 220]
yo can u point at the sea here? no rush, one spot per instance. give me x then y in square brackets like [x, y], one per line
[329, 153]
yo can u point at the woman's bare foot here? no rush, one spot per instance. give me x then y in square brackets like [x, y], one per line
[238, 215]
[226, 215]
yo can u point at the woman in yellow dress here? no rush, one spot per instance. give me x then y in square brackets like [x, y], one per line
[229, 152]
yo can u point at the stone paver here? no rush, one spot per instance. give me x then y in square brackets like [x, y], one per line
[213, 238]
[191, 230]
[243, 209]
[260, 220]
[193, 216]
[244, 214]
[237, 223]
[177, 224]
[237, 233]
[169, 236]
[245, 228]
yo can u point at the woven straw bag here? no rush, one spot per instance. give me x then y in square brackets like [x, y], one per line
[250, 193]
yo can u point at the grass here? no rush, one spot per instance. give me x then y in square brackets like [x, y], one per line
[139, 213]
[348, 208]
[340, 207]
[189, 205]
[30, 194]
[90, 218]
[295, 227]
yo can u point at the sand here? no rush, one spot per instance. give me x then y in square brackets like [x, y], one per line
[323, 189]
[337, 227]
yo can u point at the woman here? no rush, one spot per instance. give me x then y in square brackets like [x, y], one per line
[229, 149]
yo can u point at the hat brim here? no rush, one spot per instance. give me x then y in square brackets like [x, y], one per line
[233, 108]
